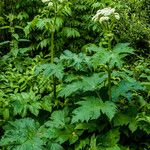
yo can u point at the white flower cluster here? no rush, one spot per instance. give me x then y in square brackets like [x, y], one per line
[45, 1]
[104, 14]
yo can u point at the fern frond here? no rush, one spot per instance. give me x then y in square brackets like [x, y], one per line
[70, 32]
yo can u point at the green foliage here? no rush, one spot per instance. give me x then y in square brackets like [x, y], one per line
[125, 89]
[50, 70]
[22, 134]
[91, 108]
[22, 102]
[90, 83]
[114, 57]
[70, 32]
[69, 83]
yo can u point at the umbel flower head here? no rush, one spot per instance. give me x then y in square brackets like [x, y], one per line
[44, 1]
[105, 14]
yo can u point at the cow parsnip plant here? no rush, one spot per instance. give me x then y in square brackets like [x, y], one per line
[70, 81]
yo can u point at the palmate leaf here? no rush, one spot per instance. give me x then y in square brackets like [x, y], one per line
[22, 135]
[91, 108]
[118, 53]
[66, 134]
[113, 58]
[76, 61]
[70, 89]
[90, 83]
[22, 102]
[88, 110]
[101, 57]
[109, 109]
[123, 48]
[58, 128]
[125, 89]
[50, 69]
[93, 82]
[58, 119]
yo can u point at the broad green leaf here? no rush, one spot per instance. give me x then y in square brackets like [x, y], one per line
[125, 89]
[22, 134]
[91, 108]
[109, 108]
[123, 48]
[93, 82]
[70, 89]
[58, 119]
[86, 83]
[88, 110]
[22, 102]
[50, 69]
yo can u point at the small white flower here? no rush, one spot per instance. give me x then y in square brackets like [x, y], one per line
[104, 14]
[44, 1]
[117, 16]
[103, 19]
[106, 11]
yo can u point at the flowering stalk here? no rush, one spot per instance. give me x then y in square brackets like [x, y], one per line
[52, 52]
[106, 19]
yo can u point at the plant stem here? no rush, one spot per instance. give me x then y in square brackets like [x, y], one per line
[52, 52]
[52, 61]
[109, 83]
[52, 47]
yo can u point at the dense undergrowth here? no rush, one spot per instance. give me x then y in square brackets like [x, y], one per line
[74, 75]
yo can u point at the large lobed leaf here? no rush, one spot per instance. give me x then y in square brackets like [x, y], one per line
[112, 58]
[86, 83]
[91, 108]
[22, 135]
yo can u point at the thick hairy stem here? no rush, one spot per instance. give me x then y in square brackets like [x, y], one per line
[109, 83]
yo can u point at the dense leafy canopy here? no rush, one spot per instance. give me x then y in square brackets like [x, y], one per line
[75, 75]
